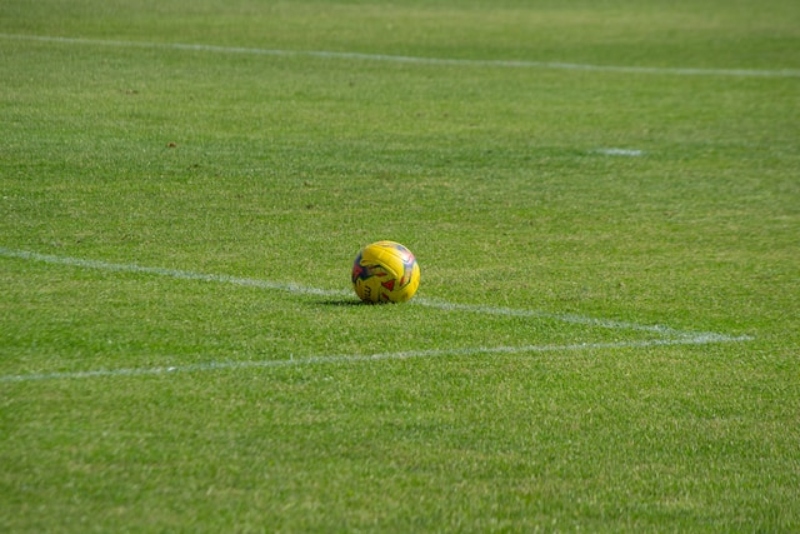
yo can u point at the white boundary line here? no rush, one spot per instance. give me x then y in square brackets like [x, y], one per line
[304, 290]
[556, 65]
[171, 273]
[404, 355]
[667, 336]
[629, 152]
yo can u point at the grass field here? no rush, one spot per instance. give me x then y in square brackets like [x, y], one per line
[604, 198]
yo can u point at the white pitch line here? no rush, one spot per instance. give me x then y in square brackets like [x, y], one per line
[620, 152]
[563, 317]
[171, 273]
[556, 65]
[403, 355]
[660, 330]
[668, 336]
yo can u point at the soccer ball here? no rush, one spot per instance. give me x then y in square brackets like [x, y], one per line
[385, 271]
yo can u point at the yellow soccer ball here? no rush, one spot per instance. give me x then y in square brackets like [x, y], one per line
[385, 271]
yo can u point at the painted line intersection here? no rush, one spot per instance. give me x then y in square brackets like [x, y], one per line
[660, 335]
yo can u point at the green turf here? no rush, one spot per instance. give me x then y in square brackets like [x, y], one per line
[121, 152]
